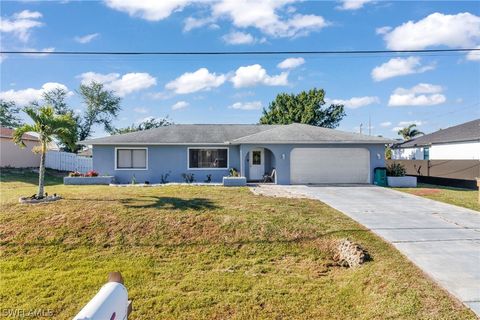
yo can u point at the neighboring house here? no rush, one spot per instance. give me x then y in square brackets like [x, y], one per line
[85, 153]
[299, 153]
[461, 142]
[11, 155]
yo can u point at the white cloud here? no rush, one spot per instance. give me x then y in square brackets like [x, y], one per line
[238, 38]
[26, 14]
[25, 96]
[356, 102]
[131, 82]
[254, 105]
[86, 38]
[240, 95]
[407, 123]
[437, 29]
[423, 94]
[191, 23]
[180, 105]
[291, 63]
[126, 84]
[44, 50]
[199, 80]
[263, 15]
[474, 55]
[90, 76]
[140, 110]
[383, 30]
[399, 67]
[352, 4]
[403, 124]
[21, 23]
[254, 75]
[152, 10]
[385, 124]
[421, 88]
[269, 16]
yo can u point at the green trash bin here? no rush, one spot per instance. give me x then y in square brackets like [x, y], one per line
[380, 176]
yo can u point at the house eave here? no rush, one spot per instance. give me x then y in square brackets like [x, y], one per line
[86, 142]
[429, 144]
[226, 143]
[315, 142]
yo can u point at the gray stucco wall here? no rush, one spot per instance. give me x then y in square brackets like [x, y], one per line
[173, 159]
[161, 160]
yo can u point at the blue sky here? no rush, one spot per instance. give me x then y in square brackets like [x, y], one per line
[433, 90]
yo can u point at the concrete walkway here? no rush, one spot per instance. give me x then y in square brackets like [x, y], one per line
[442, 239]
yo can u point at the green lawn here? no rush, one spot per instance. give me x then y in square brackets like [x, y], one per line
[191, 252]
[456, 196]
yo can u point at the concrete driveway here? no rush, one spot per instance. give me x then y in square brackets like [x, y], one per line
[442, 239]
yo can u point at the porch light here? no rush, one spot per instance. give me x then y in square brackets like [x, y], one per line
[283, 156]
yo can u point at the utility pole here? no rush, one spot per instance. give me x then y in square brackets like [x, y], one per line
[361, 125]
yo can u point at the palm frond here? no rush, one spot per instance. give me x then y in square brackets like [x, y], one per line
[33, 113]
[19, 132]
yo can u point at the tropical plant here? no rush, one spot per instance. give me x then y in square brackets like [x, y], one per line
[233, 172]
[396, 170]
[102, 107]
[188, 177]
[56, 98]
[48, 126]
[9, 114]
[409, 132]
[305, 107]
[208, 179]
[164, 177]
[388, 153]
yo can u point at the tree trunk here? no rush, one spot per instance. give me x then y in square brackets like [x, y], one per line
[41, 172]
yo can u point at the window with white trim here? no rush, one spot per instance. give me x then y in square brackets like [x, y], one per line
[208, 158]
[131, 158]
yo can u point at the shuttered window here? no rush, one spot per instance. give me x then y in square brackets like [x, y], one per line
[131, 158]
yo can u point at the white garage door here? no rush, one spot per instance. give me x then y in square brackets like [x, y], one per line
[329, 165]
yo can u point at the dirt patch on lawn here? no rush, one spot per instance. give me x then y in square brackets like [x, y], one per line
[276, 191]
[425, 192]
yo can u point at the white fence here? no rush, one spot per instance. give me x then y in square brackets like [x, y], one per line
[66, 161]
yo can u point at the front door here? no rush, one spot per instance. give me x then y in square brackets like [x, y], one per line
[256, 164]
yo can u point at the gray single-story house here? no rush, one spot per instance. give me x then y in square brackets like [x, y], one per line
[299, 153]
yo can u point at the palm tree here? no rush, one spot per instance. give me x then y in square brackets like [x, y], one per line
[48, 126]
[409, 132]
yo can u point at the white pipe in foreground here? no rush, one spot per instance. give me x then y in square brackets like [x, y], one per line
[110, 303]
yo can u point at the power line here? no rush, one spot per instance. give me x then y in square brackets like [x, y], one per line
[177, 53]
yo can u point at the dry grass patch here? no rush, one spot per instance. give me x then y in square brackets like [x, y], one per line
[457, 196]
[201, 253]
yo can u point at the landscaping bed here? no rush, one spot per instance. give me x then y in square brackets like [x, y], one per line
[103, 180]
[202, 253]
